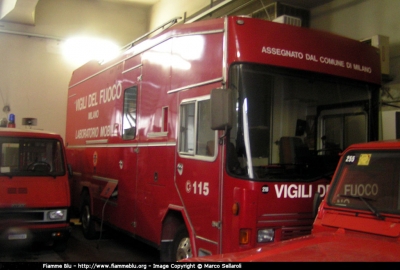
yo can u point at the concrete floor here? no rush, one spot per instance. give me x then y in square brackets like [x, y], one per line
[113, 247]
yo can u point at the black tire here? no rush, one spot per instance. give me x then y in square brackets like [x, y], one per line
[88, 224]
[181, 246]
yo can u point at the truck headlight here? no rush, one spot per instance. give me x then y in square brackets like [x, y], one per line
[57, 215]
[265, 235]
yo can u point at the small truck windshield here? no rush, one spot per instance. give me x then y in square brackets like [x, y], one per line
[31, 156]
[368, 180]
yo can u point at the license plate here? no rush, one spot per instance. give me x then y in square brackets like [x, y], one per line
[20, 236]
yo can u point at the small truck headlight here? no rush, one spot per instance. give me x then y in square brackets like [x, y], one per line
[57, 215]
[265, 235]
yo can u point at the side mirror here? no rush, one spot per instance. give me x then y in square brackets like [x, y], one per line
[317, 201]
[70, 172]
[221, 109]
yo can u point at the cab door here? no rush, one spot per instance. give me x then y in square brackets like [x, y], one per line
[198, 173]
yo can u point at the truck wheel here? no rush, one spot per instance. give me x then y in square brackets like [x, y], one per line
[182, 247]
[88, 224]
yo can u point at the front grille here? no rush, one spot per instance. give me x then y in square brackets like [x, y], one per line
[24, 216]
[13, 215]
[293, 232]
[290, 225]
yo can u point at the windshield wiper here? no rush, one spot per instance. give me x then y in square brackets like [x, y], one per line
[365, 201]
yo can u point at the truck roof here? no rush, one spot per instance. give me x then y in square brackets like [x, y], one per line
[27, 132]
[282, 35]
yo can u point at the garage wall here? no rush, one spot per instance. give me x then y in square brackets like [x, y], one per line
[360, 19]
[165, 10]
[34, 76]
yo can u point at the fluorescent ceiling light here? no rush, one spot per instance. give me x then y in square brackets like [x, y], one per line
[80, 50]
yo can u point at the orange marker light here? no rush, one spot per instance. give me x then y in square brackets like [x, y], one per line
[235, 209]
[244, 236]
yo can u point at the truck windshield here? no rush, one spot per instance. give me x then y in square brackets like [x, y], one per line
[368, 180]
[292, 124]
[31, 157]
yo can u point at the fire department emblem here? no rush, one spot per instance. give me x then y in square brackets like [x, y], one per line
[188, 186]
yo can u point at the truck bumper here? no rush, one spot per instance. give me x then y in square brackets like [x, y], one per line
[33, 234]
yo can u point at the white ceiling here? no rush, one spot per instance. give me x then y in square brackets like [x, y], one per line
[23, 11]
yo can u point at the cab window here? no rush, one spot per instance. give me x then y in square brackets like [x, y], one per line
[196, 137]
[129, 117]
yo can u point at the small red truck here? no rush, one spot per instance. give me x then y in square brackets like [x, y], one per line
[34, 188]
[359, 219]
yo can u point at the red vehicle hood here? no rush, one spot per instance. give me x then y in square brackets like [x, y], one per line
[339, 246]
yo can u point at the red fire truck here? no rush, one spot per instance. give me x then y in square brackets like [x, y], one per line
[34, 188]
[215, 136]
[358, 221]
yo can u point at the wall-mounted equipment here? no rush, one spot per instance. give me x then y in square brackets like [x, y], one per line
[29, 121]
[286, 19]
[282, 13]
[382, 43]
